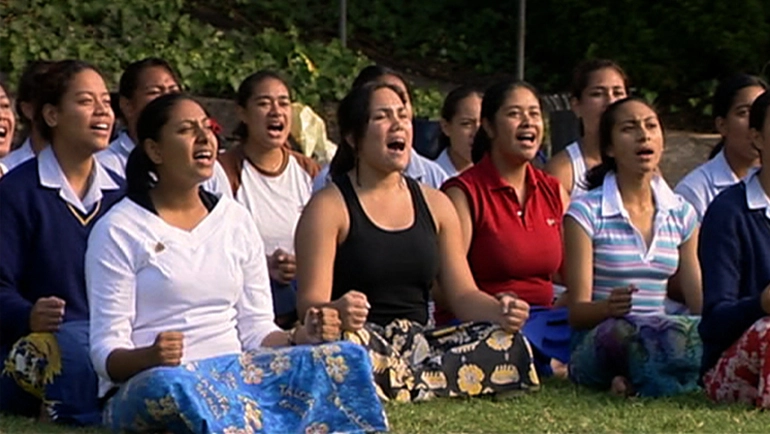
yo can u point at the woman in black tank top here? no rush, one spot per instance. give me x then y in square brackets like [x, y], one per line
[372, 247]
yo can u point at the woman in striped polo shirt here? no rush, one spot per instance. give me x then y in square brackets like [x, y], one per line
[629, 241]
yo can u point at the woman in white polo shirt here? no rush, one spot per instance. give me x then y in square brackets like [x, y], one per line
[460, 119]
[734, 156]
[273, 182]
[182, 333]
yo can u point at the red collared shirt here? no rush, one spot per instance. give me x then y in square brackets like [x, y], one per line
[514, 248]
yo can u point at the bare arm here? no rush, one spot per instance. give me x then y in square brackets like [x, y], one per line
[686, 283]
[579, 254]
[463, 209]
[319, 231]
[456, 283]
[560, 167]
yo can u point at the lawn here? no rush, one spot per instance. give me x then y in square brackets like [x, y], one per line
[559, 407]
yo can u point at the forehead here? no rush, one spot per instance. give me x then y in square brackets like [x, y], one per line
[470, 105]
[270, 86]
[87, 80]
[634, 110]
[747, 95]
[605, 77]
[3, 94]
[386, 97]
[155, 75]
[521, 97]
[187, 109]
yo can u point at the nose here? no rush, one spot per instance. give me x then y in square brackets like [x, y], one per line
[102, 107]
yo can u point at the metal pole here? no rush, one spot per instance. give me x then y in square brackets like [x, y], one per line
[522, 33]
[344, 22]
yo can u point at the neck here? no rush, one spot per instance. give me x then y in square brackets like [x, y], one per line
[75, 167]
[131, 130]
[459, 161]
[740, 166]
[589, 146]
[37, 141]
[173, 197]
[635, 189]
[369, 178]
[266, 159]
[513, 172]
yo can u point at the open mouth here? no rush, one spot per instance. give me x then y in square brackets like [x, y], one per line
[528, 138]
[276, 127]
[645, 152]
[101, 126]
[397, 145]
[203, 155]
[3, 132]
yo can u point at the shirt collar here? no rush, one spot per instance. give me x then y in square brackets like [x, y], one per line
[756, 198]
[124, 143]
[721, 173]
[52, 176]
[492, 179]
[612, 203]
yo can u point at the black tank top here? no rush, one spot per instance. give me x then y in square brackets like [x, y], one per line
[395, 269]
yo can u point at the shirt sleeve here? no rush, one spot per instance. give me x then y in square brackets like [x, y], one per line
[580, 210]
[689, 222]
[218, 184]
[321, 180]
[255, 319]
[15, 234]
[691, 195]
[111, 289]
[726, 316]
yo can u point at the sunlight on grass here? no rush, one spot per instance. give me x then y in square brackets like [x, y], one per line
[559, 407]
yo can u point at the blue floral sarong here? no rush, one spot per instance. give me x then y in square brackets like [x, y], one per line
[659, 354]
[305, 389]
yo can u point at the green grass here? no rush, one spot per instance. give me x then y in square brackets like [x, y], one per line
[559, 407]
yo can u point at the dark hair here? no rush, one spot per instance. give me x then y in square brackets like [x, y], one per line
[494, 97]
[724, 98]
[28, 87]
[374, 73]
[353, 118]
[246, 90]
[595, 176]
[52, 88]
[141, 172]
[582, 74]
[758, 112]
[449, 109]
[129, 80]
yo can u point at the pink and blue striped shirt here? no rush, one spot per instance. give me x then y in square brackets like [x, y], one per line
[621, 256]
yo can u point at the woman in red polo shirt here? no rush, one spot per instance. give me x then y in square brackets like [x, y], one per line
[511, 215]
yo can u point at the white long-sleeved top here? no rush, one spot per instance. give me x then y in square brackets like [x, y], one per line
[144, 276]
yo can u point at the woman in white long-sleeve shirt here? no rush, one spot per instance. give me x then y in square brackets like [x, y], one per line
[181, 309]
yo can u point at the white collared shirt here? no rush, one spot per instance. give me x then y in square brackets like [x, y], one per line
[17, 156]
[705, 182]
[579, 169]
[419, 168]
[52, 176]
[621, 256]
[446, 163]
[756, 198]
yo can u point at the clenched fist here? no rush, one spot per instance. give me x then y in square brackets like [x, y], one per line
[322, 324]
[514, 312]
[353, 308]
[619, 301]
[168, 348]
[47, 314]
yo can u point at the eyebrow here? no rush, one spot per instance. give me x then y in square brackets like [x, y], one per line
[637, 121]
[89, 93]
[518, 106]
[271, 97]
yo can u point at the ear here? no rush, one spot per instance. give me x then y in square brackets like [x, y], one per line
[574, 105]
[126, 108]
[444, 126]
[349, 139]
[152, 148]
[721, 125]
[488, 128]
[757, 141]
[50, 115]
[27, 110]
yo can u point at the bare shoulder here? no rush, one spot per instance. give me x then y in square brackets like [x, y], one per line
[439, 204]
[327, 204]
[560, 167]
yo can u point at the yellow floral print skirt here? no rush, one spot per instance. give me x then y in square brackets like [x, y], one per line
[413, 363]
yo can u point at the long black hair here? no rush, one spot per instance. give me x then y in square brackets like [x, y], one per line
[246, 91]
[494, 98]
[374, 73]
[129, 80]
[451, 104]
[724, 98]
[141, 172]
[353, 117]
[53, 86]
[595, 176]
[28, 88]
